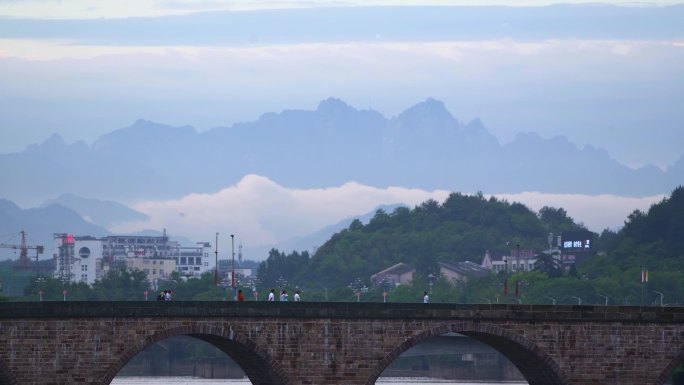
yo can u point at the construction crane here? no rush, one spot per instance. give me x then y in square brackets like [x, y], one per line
[23, 250]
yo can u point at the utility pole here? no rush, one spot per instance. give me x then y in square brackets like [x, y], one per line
[216, 265]
[232, 278]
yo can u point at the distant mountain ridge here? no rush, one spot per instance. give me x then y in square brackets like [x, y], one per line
[423, 147]
[102, 213]
[40, 223]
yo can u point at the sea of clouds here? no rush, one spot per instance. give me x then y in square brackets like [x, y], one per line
[259, 211]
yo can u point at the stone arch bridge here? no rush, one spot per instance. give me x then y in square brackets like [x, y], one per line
[286, 343]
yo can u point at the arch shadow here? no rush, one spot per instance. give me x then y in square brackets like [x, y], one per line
[259, 367]
[534, 364]
[6, 376]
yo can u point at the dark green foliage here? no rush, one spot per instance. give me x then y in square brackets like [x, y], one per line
[279, 269]
[122, 285]
[460, 229]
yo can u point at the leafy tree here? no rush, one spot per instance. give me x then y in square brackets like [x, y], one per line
[122, 285]
[548, 263]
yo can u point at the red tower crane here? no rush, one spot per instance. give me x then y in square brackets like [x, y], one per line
[23, 250]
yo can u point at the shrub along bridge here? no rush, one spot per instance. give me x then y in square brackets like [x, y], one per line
[285, 343]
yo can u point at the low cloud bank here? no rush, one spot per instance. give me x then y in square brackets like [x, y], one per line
[261, 212]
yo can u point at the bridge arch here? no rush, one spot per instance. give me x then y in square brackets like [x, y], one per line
[258, 365]
[666, 375]
[534, 364]
[6, 376]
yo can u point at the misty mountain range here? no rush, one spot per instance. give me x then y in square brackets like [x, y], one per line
[423, 147]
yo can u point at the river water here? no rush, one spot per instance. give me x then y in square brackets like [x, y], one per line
[204, 381]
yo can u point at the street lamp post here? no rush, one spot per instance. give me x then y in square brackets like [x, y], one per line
[604, 297]
[579, 300]
[232, 275]
[553, 300]
[661, 297]
[216, 262]
[40, 281]
[224, 285]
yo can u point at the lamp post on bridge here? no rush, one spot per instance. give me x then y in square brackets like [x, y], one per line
[232, 274]
[216, 262]
[604, 297]
[431, 279]
[661, 297]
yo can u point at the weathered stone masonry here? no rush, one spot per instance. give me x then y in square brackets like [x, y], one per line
[338, 343]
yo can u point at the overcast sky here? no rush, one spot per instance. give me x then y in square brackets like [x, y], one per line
[614, 82]
[610, 78]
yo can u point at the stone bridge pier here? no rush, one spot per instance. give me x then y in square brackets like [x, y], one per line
[338, 343]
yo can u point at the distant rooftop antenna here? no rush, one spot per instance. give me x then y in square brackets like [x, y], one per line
[240, 253]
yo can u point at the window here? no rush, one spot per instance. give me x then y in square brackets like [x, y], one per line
[154, 271]
[184, 261]
[84, 252]
[146, 271]
[146, 261]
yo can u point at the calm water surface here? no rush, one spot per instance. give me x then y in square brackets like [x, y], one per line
[203, 381]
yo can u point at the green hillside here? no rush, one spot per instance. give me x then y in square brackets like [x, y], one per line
[464, 227]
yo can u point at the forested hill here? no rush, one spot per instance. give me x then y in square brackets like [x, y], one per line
[652, 240]
[463, 228]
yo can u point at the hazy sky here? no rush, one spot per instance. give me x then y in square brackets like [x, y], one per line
[89, 9]
[615, 82]
[613, 79]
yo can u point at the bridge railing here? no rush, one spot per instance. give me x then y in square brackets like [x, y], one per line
[87, 309]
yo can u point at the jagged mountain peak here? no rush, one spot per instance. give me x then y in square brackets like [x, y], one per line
[143, 130]
[335, 106]
[428, 112]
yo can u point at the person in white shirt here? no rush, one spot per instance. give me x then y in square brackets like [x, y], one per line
[426, 298]
[271, 295]
[283, 296]
[297, 298]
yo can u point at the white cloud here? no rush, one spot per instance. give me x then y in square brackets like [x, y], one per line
[597, 212]
[261, 212]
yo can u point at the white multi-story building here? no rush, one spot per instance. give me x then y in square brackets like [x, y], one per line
[516, 260]
[86, 259]
[193, 261]
[77, 259]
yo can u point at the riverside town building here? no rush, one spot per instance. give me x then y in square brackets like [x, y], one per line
[86, 259]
